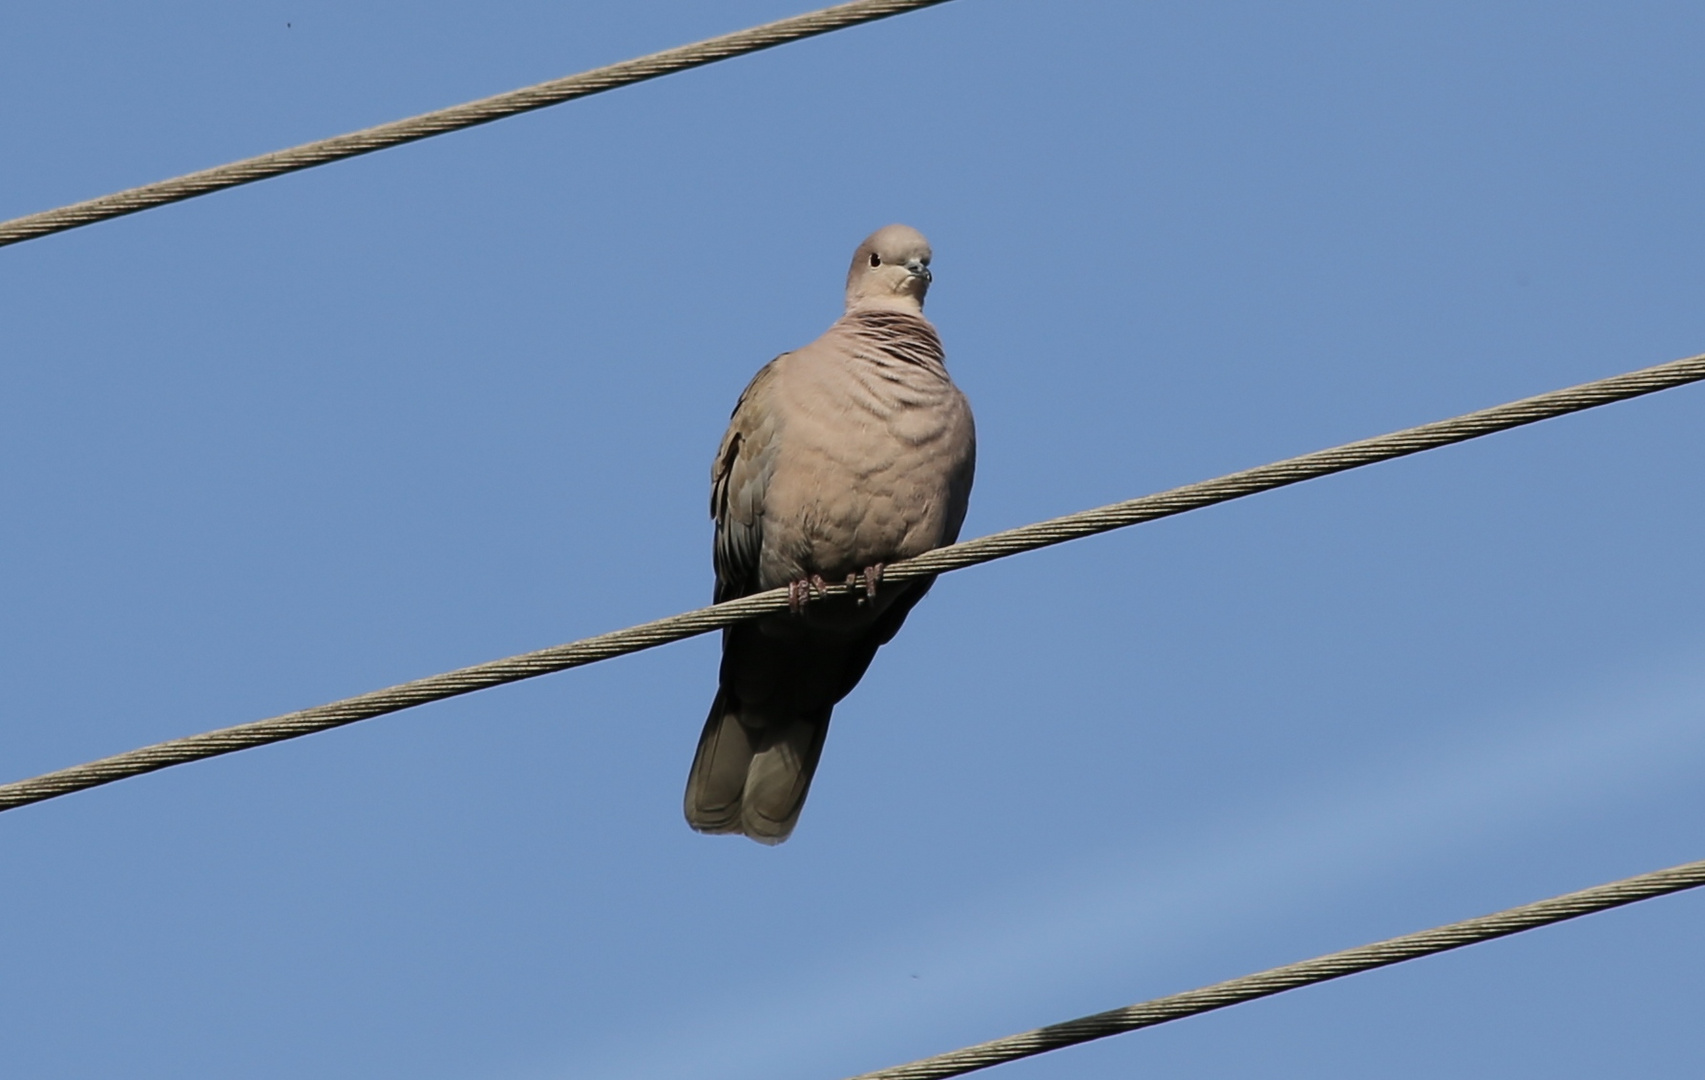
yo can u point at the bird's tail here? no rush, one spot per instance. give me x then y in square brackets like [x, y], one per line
[751, 773]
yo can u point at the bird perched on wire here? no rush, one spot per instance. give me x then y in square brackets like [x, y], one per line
[850, 453]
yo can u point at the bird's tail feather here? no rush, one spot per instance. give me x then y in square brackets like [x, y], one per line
[780, 776]
[752, 778]
[718, 776]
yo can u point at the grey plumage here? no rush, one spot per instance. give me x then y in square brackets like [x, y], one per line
[852, 452]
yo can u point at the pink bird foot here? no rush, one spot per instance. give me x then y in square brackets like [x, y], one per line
[805, 590]
[872, 578]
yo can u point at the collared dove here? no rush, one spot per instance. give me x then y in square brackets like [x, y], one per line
[847, 454]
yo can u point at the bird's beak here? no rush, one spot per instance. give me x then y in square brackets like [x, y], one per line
[916, 268]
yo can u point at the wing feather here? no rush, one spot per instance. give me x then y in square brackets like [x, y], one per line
[738, 478]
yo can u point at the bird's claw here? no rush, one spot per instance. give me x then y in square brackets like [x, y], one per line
[870, 578]
[803, 591]
[807, 589]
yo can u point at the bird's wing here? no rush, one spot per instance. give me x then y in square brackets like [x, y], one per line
[738, 479]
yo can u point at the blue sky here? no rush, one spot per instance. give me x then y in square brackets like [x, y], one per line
[458, 400]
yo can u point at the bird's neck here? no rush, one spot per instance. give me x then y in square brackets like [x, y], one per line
[897, 335]
[909, 305]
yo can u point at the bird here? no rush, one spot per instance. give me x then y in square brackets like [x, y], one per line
[845, 455]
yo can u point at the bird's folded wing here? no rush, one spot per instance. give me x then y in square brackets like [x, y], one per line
[738, 479]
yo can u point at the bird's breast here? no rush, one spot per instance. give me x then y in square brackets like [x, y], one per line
[872, 463]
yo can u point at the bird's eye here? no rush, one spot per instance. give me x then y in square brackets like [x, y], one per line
[875, 259]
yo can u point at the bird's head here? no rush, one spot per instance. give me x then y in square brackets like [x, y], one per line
[890, 269]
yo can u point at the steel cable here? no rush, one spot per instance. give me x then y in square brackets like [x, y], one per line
[1292, 976]
[455, 118]
[942, 560]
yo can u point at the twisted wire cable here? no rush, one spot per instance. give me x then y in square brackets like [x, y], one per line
[1306, 973]
[455, 118]
[942, 560]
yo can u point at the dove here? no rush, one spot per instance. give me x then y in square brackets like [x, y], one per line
[841, 457]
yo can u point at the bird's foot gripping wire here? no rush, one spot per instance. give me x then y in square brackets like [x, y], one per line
[871, 577]
[803, 591]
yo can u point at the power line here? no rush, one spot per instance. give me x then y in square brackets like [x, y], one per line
[1306, 973]
[953, 557]
[455, 118]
